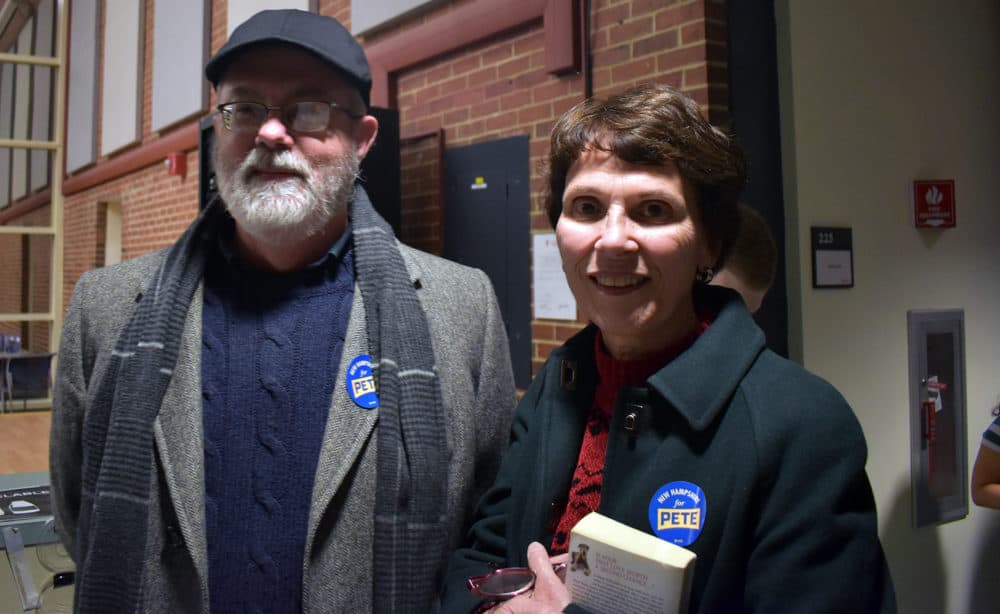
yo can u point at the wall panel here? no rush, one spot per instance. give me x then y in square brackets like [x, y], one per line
[22, 116]
[121, 102]
[369, 14]
[241, 10]
[180, 50]
[6, 128]
[41, 94]
[81, 105]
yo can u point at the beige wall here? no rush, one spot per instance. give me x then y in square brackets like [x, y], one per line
[875, 95]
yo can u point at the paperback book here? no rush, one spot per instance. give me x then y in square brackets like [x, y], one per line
[615, 568]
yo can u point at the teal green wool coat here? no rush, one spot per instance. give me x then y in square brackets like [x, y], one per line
[790, 522]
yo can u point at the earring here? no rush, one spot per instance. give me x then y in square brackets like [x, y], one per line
[705, 275]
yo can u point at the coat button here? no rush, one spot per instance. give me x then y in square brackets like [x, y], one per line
[556, 509]
[631, 422]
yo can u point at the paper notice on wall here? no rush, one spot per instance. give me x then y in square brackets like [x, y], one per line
[552, 296]
[833, 267]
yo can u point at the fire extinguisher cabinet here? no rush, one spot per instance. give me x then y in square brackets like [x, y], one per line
[938, 436]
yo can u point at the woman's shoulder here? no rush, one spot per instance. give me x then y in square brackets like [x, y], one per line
[781, 394]
[796, 416]
[777, 372]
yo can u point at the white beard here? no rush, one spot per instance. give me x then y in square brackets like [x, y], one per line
[283, 212]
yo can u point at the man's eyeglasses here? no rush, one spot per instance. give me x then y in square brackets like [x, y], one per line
[506, 582]
[301, 116]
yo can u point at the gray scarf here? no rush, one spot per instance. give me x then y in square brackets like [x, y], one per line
[118, 464]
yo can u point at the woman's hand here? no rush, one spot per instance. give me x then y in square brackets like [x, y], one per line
[550, 594]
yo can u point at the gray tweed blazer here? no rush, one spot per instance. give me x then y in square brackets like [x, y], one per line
[471, 352]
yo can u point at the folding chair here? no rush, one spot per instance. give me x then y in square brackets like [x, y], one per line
[29, 376]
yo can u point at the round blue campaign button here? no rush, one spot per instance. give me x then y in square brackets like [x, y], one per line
[677, 513]
[361, 382]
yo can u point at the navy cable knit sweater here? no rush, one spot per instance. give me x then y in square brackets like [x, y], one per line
[271, 349]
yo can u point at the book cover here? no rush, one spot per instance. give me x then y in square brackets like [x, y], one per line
[615, 568]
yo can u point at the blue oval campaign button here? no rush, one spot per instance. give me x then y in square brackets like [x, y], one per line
[361, 382]
[677, 512]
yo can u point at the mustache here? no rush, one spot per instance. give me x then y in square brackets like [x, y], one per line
[283, 161]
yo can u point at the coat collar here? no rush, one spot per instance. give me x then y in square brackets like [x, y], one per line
[700, 381]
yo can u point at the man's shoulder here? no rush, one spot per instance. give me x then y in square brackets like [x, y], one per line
[450, 293]
[127, 276]
[421, 264]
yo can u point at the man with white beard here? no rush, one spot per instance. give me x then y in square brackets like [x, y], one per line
[286, 410]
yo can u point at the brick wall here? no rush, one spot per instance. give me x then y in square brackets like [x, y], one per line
[156, 208]
[420, 177]
[10, 280]
[35, 335]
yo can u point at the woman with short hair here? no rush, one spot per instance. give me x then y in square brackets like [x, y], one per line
[670, 389]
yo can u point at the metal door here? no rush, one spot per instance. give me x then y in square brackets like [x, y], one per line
[486, 226]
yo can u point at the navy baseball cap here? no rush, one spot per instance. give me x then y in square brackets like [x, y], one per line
[320, 35]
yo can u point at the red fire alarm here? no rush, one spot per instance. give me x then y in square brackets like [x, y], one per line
[177, 163]
[934, 203]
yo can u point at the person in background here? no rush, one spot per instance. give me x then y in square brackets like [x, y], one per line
[669, 398]
[752, 261]
[286, 410]
[986, 470]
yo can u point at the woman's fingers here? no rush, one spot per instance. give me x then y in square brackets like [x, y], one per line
[538, 559]
[550, 593]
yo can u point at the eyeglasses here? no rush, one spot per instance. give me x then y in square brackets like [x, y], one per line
[301, 116]
[506, 582]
